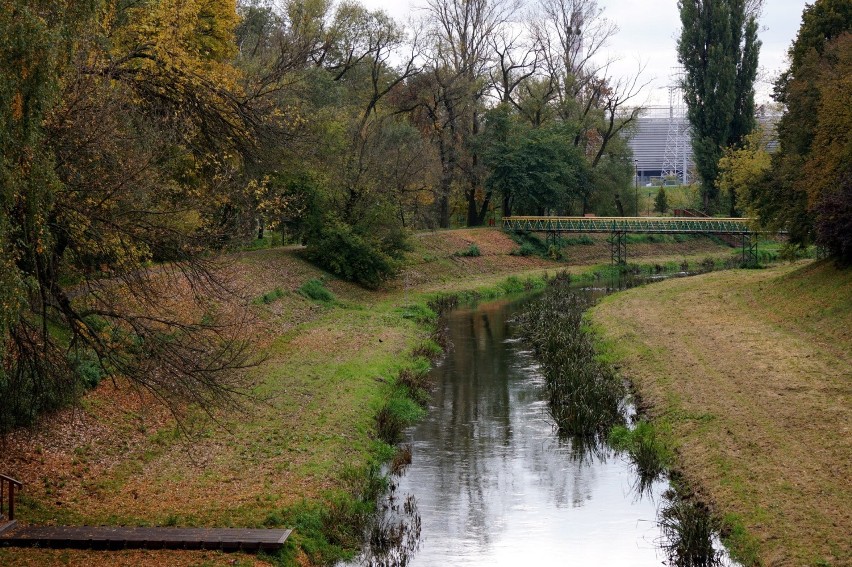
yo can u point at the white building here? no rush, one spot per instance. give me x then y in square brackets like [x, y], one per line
[661, 144]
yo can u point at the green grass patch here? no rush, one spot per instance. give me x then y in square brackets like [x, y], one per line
[269, 240]
[530, 244]
[742, 546]
[315, 290]
[471, 251]
[646, 449]
[582, 240]
[269, 297]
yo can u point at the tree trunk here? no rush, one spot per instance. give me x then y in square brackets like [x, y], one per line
[447, 155]
[472, 213]
[507, 205]
[619, 206]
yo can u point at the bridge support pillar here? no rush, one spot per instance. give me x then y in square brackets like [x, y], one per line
[749, 251]
[618, 248]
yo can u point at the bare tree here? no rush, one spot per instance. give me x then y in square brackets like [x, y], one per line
[462, 34]
[571, 34]
[516, 59]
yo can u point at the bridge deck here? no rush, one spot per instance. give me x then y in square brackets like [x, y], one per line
[647, 225]
[226, 539]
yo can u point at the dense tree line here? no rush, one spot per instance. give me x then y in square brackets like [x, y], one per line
[805, 187]
[137, 137]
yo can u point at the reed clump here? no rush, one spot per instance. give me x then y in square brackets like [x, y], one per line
[585, 394]
[650, 456]
[688, 529]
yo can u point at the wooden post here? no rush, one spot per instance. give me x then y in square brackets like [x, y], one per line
[9, 493]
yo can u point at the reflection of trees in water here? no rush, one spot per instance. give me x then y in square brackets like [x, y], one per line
[393, 533]
[470, 422]
[490, 435]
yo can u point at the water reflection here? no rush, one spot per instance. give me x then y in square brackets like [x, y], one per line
[495, 485]
[491, 481]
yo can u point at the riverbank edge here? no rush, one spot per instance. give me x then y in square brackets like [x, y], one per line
[666, 418]
[322, 527]
[428, 308]
[738, 542]
[313, 511]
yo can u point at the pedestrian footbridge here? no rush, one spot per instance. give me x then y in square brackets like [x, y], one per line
[619, 227]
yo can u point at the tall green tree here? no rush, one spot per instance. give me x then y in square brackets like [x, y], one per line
[534, 170]
[661, 202]
[808, 189]
[718, 48]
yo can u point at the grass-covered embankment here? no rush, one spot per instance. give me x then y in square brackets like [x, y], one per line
[749, 375]
[302, 451]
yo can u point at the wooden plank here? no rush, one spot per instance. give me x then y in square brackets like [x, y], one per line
[227, 539]
[7, 525]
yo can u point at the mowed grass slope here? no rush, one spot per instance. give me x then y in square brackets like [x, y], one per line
[119, 458]
[751, 373]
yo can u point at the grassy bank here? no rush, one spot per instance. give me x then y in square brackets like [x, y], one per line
[302, 452]
[747, 373]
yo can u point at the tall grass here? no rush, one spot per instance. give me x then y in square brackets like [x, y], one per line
[648, 454]
[688, 530]
[584, 393]
[315, 290]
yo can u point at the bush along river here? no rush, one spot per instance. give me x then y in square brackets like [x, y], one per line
[532, 453]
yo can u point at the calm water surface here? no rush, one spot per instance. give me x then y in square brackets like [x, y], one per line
[493, 483]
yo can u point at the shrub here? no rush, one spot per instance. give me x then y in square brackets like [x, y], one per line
[270, 296]
[562, 277]
[471, 251]
[531, 245]
[26, 395]
[554, 252]
[834, 222]
[88, 369]
[340, 250]
[512, 285]
[526, 249]
[315, 289]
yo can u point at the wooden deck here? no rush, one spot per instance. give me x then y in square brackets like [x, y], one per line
[226, 539]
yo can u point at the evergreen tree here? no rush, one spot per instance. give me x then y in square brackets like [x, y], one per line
[661, 203]
[718, 48]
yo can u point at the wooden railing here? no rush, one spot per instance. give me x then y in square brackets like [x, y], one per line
[7, 497]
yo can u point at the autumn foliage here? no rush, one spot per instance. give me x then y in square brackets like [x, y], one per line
[806, 189]
[123, 132]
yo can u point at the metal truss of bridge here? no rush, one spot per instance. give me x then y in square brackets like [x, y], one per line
[620, 227]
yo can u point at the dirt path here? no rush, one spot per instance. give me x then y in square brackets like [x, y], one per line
[752, 370]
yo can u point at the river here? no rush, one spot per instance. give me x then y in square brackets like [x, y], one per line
[492, 481]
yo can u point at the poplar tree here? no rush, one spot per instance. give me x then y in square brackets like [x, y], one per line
[661, 203]
[718, 48]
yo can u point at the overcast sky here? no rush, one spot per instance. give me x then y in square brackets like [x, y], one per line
[648, 29]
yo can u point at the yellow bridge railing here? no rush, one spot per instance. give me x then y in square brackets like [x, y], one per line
[647, 225]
